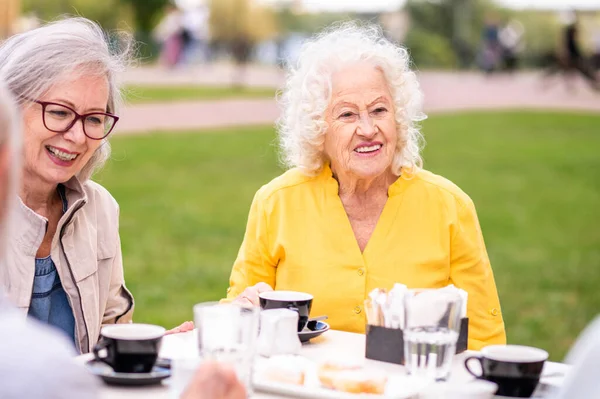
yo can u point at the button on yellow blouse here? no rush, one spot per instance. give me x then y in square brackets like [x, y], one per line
[298, 237]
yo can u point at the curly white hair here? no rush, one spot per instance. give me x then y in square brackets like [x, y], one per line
[307, 93]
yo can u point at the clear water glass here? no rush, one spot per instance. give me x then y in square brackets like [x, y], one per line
[432, 326]
[227, 334]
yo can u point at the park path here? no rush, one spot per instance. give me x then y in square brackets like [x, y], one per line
[444, 92]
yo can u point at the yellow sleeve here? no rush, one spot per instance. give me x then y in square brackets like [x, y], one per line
[254, 263]
[470, 270]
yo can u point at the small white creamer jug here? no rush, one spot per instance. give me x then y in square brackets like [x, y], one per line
[278, 333]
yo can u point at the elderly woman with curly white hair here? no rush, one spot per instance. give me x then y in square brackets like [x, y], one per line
[356, 211]
[64, 264]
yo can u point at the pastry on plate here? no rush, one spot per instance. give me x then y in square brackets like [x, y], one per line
[284, 369]
[327, 371]
[350, 377]
[359, 381]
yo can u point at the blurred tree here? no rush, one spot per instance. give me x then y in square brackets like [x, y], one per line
[447, 33]
[290, 21]
[430, 33]
[232, 20]
[452, 24]
[146, 13]
[46, 9]
[542, 35]
[430, 50]
[237, 26]
[110, 14]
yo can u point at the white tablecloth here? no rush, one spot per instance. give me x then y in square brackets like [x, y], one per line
[330, 345]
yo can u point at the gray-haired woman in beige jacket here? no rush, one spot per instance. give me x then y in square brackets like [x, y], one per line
[64, 264]
[37, 362]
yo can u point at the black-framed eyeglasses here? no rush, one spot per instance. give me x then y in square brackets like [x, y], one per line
[59, 118]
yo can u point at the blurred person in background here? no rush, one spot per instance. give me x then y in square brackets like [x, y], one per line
[356, 211]
[510, 37]
[195, 28]
[491, 51]
[64, 264]
[596, 44]
[574, 54]
[570, 58]
[172, 37]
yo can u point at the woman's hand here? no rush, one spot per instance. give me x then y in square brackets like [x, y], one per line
[250, 294]
[184, 327]
[214, 381]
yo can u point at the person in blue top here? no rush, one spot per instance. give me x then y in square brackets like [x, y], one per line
[37, 361]
[64, 265]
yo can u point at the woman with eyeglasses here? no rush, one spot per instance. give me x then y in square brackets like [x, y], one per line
[64, 263]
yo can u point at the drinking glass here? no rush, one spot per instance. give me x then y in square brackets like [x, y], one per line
[227, 333]
[432, 326]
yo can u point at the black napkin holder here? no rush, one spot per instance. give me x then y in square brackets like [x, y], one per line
[387, 344]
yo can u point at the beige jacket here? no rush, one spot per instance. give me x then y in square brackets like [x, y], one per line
[87, 253]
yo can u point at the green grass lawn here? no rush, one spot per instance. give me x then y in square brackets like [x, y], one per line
[534, 177]
[135, 94]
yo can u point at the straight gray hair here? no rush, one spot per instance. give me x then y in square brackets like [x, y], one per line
[33, 62]
[10, 135]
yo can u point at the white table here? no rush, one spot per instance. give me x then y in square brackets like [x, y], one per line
[330, 345]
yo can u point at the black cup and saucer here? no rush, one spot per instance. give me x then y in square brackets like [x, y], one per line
[127, 355]
[313, 330]
[515, 369]
[300, 302]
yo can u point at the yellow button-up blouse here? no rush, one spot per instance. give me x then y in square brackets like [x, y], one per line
[299, 238]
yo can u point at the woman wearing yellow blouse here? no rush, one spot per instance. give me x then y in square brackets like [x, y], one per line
[356, 211]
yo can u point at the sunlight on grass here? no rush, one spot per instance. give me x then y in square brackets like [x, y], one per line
[185, 197]
[153, 94]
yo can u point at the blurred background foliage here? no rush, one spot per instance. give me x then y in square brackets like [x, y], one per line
[447, 34]
[439, 33]
[232, 20]
[111, 14]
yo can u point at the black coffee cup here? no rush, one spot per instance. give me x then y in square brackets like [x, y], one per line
[301, 302]
[515, 369]
[129, 348]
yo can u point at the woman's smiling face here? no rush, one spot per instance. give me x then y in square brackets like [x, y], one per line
[57, 157]
[362, 133]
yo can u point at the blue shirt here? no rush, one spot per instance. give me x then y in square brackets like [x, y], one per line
[49, 302]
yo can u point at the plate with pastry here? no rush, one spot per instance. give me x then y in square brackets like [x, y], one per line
[297, 376]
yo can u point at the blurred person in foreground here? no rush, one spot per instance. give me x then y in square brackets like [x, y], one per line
[37, 361]
[356, 211]
[64, 264]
